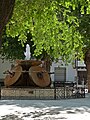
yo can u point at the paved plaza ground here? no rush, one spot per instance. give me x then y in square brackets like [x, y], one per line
[67, 109]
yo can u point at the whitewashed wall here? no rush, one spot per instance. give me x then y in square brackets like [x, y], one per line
[70, 72]
[6, 65]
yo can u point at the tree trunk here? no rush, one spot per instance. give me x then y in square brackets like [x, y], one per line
[46, 61]
[87, 62]
[46, 64]
[6, 9]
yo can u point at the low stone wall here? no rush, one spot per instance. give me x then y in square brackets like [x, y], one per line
[37, 93]
[26, 93]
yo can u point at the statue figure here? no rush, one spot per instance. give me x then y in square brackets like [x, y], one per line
[27, 53]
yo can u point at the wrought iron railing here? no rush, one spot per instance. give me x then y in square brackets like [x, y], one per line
[65, 90]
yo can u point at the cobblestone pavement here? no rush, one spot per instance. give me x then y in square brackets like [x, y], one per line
[67, 109]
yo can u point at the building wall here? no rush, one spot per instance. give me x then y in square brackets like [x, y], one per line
[71, 73]
[4, 66]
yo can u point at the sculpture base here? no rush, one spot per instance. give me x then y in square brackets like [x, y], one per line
[27, 93]
[40, 93]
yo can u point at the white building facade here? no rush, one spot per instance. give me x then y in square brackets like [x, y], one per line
[4, 66]
[69, 73]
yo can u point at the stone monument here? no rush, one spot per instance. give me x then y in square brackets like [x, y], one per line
[27, 73]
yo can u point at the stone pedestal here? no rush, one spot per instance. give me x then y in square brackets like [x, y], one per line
[27, 93]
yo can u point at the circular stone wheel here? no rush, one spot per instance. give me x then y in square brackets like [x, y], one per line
[40, 76]
[11, 79]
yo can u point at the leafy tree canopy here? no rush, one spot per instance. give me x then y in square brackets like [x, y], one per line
[56, 26]
[12, 49]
